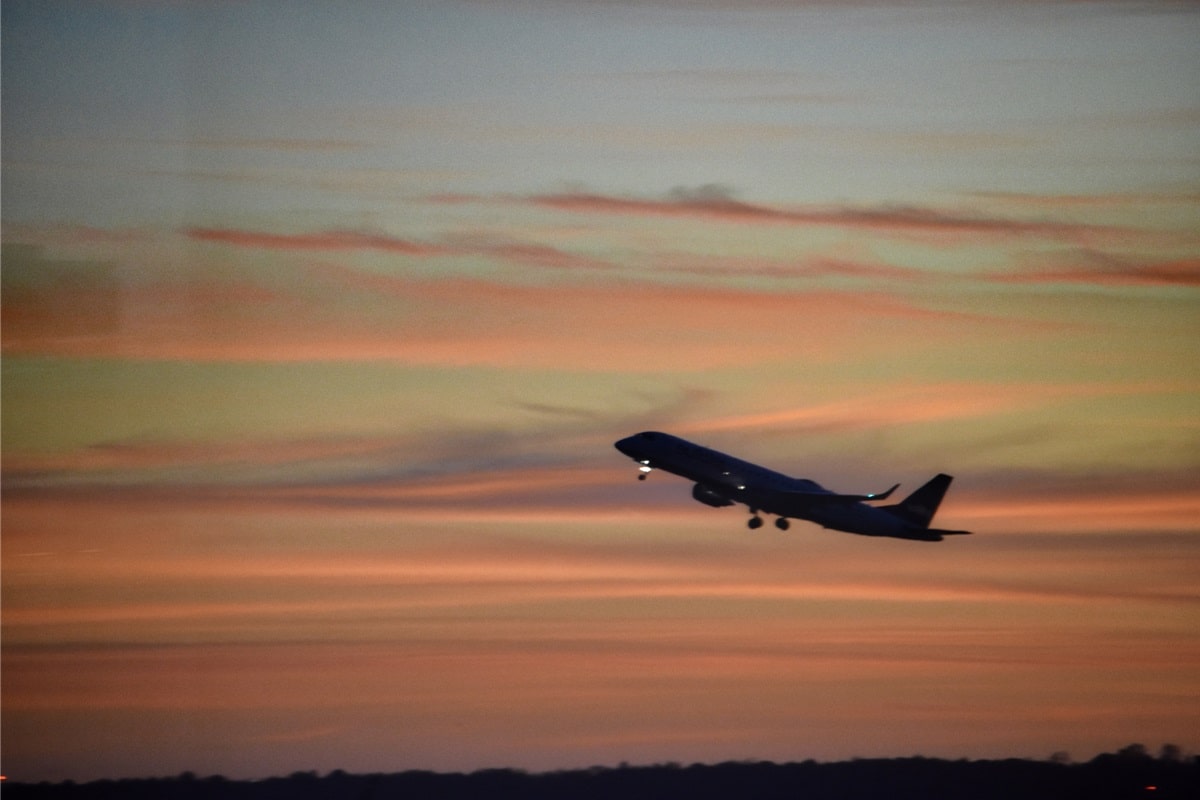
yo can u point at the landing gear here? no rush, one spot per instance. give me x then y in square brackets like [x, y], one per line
[756, 522]
[641, 476]
[645, 470]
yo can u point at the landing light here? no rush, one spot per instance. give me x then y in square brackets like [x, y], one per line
[644, 467]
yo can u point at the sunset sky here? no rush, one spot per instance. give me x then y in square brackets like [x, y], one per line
[320, 319]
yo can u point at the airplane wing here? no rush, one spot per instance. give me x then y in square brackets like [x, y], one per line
[831, 497]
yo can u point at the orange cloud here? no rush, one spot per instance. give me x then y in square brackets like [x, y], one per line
[923, 402]
[462, 321]
[645, 622]
[1136, 508]
[198, 563]
[905, 405]
[807, 268]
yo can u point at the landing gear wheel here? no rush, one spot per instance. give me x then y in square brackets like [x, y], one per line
[755, 523]
[641, 476]
[782, 523]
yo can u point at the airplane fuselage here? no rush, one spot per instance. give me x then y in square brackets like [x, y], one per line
[722, 480]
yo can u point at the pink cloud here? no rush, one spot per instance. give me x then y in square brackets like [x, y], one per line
[321, 241]
[716, 202]
[1103, 270]
[799, 269]
[1108, 200]
[532, 254]
[517, 252]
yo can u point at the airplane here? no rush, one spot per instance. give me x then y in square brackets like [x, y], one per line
[722, 480]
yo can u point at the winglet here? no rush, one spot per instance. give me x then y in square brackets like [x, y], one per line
[882, 495]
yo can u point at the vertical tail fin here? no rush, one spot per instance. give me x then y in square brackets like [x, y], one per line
[920, 506]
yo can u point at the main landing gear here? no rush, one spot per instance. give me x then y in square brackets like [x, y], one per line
[756, 522]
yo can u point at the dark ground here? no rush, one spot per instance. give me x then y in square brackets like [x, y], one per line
[1130, 773]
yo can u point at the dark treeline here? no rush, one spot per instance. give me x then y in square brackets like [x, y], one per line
[1129, 773]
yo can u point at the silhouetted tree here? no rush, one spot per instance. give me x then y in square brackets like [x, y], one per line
[1172, 753]
[1134, 752]
[1109, 776]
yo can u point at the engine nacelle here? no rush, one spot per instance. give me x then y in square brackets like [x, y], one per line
[709, 497]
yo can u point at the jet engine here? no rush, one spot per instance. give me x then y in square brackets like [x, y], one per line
[709, 497]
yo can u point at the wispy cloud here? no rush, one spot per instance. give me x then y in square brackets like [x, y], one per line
[1101, 269]
[1130, 199]
[813, 269]
[455, 321]
[905, 405]
[541, 255]
[578, 481]
[276, 144]
[713, 201]
[310, 391]
[523, 253]
[526, 253]
[321, 241]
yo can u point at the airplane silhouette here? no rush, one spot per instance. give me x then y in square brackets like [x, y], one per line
[722, 480]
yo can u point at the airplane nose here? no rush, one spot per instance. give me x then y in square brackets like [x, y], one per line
[624, 445]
